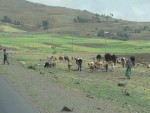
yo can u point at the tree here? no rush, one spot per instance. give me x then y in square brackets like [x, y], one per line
[111, 15]
[101, 33]
[145, 28]
[137, 30]
[6, 19]
[97, 15]
[16, 22]
[45, 24]
[126, 28]
[82, 20]
[123, 36]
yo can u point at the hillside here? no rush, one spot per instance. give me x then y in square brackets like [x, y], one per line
[69, 21]
[31, 13]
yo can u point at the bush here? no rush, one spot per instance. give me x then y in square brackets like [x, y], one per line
[32, 67]
[101, 33]
[45, 24]
[6, 19]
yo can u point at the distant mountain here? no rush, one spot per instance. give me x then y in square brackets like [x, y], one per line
[30, 16]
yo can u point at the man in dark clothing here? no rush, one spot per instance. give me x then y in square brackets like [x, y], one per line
[132, 58]
[5, 57]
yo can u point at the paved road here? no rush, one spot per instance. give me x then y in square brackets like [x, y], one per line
[11, 101]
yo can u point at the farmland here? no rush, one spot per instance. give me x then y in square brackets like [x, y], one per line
[35, 48]
[43, 42]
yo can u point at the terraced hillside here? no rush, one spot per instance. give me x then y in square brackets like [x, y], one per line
[69, 21]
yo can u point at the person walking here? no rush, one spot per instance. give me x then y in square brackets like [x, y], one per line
[5, 57]
[128, 70]
[132, 58]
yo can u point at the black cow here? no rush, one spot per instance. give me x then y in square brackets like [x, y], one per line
[98, 57]
[109, 57]
[114, 58]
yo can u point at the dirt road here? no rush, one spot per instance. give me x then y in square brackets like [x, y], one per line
[11, 101]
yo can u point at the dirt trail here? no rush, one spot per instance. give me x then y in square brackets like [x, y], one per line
[52, 97]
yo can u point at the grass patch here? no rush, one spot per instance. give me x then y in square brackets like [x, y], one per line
[44, 42]
[6, 28]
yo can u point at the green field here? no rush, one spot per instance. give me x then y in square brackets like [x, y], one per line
[44, 42]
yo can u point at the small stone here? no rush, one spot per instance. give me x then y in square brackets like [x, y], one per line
[89, 96]
[121, 83]
[76, 82]
[65, 108]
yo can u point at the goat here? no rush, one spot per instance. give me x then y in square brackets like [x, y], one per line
[69, 65]
[79, 63]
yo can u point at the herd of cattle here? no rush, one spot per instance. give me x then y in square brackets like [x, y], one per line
[109, 61]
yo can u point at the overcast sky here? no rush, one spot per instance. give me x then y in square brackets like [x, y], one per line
[132, 10]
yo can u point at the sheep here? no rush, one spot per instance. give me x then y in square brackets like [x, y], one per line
[99, 65]
[92, 65]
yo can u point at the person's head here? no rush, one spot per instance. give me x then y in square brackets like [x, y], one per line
[4, 50]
